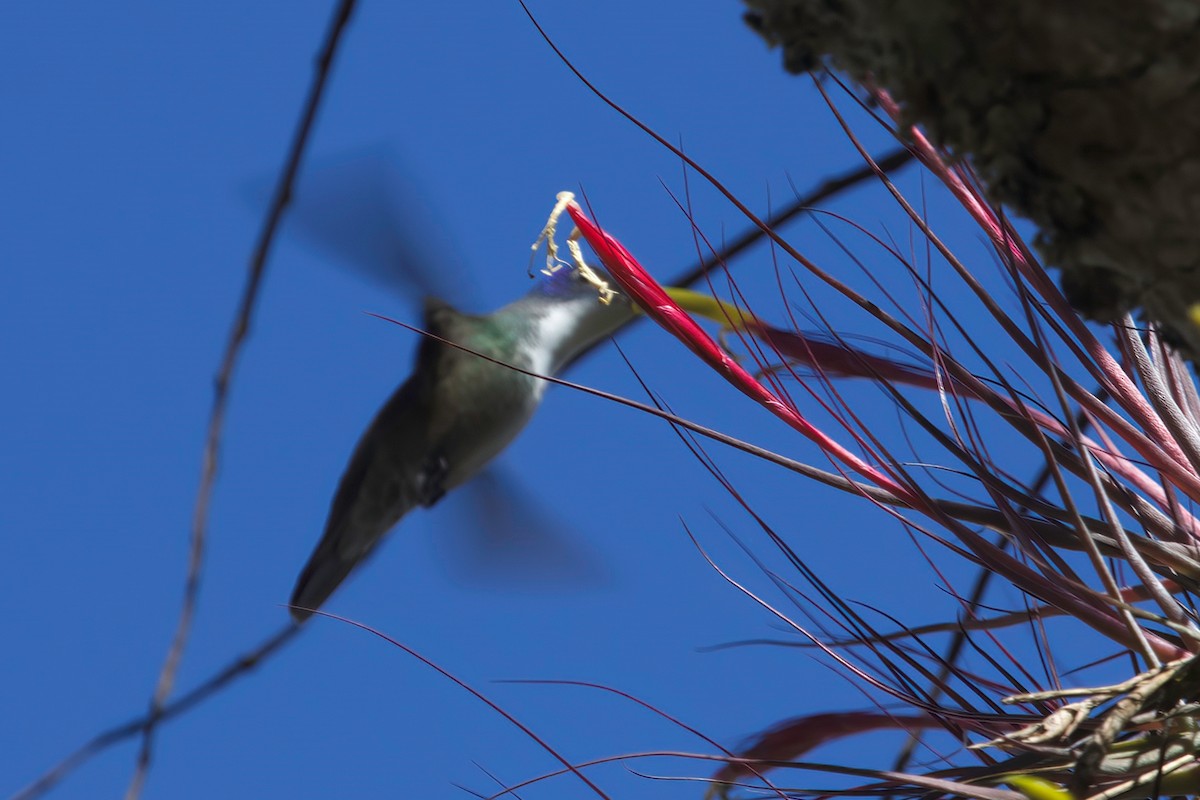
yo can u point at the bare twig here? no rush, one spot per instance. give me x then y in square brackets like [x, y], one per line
[242, 665]
[830, 187]
[216, 423]
[525, 729]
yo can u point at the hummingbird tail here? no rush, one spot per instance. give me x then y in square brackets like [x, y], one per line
[323, 573]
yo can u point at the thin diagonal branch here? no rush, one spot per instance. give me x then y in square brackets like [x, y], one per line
[242, 665]
[830, 187]
[224, 379]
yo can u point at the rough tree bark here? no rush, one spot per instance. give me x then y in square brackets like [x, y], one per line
[1081, 115]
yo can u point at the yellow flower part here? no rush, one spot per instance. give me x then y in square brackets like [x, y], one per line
[702, 305]
[1037, 788]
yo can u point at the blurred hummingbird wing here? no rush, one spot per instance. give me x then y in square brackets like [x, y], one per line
[363, 211]
[504, 538]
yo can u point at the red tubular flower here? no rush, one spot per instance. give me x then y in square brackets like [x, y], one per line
[658, 305]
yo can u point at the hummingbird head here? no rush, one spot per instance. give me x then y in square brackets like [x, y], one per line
[567, 283]
[567, 314]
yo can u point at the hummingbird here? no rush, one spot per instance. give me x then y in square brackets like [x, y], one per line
[454, 414]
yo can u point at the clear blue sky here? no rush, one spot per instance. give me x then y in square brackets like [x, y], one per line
[131, 135]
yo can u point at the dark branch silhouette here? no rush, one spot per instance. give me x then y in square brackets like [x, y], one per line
[240, 666]
[224, 379]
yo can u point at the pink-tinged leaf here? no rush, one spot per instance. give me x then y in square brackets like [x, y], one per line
[794, 737]
[837, 359]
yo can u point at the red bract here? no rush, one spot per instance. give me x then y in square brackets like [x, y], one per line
[659, 306]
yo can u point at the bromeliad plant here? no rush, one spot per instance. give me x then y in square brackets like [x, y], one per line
[1113, 547]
